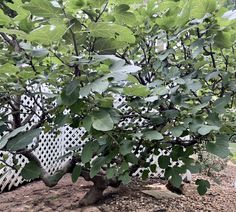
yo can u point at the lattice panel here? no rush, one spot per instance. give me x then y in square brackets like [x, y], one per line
[52, 147]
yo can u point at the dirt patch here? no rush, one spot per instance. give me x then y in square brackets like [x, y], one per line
[66, 195]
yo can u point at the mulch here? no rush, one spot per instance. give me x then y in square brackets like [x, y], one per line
[65, 196]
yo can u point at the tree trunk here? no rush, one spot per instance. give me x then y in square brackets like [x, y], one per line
[95, 193]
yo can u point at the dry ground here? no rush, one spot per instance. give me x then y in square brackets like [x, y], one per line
[66, 195]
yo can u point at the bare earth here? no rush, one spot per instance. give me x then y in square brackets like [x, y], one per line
[66, 195]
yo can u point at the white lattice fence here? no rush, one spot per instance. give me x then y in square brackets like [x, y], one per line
[52, 147]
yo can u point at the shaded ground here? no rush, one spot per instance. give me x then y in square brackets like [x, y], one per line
[66, 195]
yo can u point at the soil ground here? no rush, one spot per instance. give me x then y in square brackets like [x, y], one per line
[65, 196]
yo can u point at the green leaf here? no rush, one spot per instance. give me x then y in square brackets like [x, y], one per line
[131, 158]
[18, 33]
[87, 123]
[72, 87]
[47, 34]
[75, 173]
[165, 54]
[106, 102]
[97, 4]
[108, 46]
[203, 185]
[4, 19]
[160, 91]
[166, 22]
[70, 94]
[17, 6]
[125, 178]
[223, 40]
[89, 149]
[145, 174]
[220, 147]
[176, 180]
[39, 52]
[221, 103]
[153, 135]
[137, 90]
[8, 69]
[74, 5]
[206, 129]
[153, 168]
[2, 166]
[42, 8]
[111, 172]
[201, 7]
[184, 14]
[177, 131]
[7, 137]
[197, 47]
[193, 85]
[100, 85]
[3, 128]
[123, 16]
[102, 121]
[96, 166]
[124, 166]
[22, 140]
[163, 161]
[31, 171]
[126, 147]
[109, 30]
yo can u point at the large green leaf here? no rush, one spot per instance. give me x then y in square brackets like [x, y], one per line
[184, 14]
[100, 85]
[137, 90]
[4, 19]
[8, 69]
[220, 147]
[102, 121]
[109, 30]
[70, 94]
[96, 166]
[126, 147]
[22, 140]
[88, 151]
[153, 135]
[223, 40]
[201, 7]
[17, 6]
[42, 8]
[221, 103]
[31, 171]
[123, 16]
[7, 137]
[177, 131]
[206, 129]
[47, 34]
